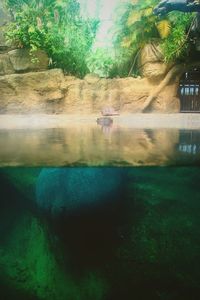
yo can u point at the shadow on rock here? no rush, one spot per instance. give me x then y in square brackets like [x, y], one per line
[84, 208]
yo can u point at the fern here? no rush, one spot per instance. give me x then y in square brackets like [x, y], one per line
[176, 47]
[134, 17]
[164, 28]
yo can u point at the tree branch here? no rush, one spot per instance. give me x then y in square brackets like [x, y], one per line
[176, 70]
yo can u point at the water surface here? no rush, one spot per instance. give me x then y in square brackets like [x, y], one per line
[99, 146]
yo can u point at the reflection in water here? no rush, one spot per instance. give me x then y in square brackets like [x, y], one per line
[191, 149]
[189, 142]
[95, 145]
[107, 127]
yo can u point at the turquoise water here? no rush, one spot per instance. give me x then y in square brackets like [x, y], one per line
[137, 237]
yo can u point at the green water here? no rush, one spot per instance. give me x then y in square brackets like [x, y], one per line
[142, 244]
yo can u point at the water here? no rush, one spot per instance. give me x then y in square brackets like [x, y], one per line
[104, 215]
[95, 146]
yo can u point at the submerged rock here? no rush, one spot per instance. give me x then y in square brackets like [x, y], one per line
[75, 189]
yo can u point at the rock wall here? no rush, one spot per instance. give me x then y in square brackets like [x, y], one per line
[53, 92]
[27, 87]
[32, 92]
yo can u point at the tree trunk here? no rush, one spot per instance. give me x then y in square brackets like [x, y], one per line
[176, 70]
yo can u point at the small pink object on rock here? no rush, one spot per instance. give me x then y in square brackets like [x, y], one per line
[109, 111]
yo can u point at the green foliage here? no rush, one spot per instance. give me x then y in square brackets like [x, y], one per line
[55, 26]
[100, 62]
[24, 31]
[121, 65]
[139, 26]
[177, 46]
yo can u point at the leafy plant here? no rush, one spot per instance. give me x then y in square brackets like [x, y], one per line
[55, 26]
[177, 45]
[121, 63]
[100, 62]
[164, 28]
[139, 26]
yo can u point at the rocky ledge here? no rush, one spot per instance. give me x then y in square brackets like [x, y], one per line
[21, 61]
[51, 91]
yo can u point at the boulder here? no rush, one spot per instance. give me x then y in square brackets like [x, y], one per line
[5, 65]
[33, 92]
[152, 62]
[23, 61]
[20, 61]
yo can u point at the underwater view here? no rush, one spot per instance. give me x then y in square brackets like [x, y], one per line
[99, 149]
[126, 227]
[100, 233]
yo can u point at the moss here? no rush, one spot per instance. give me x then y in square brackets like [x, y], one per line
[23, 179]
[29, 264]
[157, 257]
[163, 244]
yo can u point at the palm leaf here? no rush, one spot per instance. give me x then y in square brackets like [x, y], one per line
[164, 28]
[148, 11]
[134, 16]
[129, 40]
